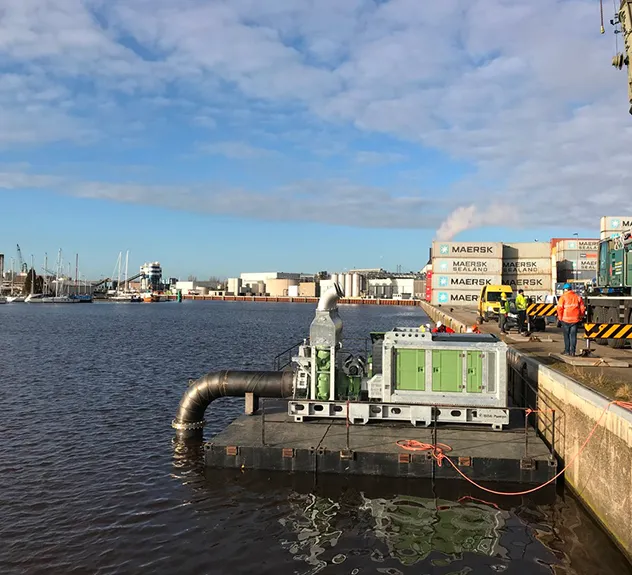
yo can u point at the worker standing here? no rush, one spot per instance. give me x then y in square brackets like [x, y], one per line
[503, 310]
[570, 312]
[521, 308]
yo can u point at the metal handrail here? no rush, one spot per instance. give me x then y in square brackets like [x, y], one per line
[277, 365]
[549, 421]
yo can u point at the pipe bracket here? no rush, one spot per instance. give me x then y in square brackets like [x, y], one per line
[188, 426]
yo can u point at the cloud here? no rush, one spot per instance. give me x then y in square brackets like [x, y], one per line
[530, 106]
[378, 158]
[236, 150]
[334, 202]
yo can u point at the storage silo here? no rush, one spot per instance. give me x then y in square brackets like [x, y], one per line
[355, 285]
[334, 279]
[348, 284]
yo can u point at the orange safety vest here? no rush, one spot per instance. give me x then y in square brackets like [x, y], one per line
[570, 308]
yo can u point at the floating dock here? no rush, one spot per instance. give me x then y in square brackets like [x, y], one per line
[269, 439]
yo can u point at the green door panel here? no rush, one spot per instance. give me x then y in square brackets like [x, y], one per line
[474, 372]
[447, 370]
[411, 369]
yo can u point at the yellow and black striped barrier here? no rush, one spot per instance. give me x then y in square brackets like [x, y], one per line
[542, 309]
[608, 330]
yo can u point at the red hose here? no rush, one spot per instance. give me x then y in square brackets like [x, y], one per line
[438, 453]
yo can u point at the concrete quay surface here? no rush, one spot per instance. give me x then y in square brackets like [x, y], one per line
[581, 397]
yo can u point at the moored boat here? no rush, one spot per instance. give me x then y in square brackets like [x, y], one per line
[15, 298]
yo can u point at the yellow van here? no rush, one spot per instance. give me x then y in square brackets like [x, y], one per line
[489, 301]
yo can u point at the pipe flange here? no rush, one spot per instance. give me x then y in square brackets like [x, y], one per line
[188, 426]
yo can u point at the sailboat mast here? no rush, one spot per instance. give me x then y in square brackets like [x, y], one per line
[33, 276]
[57, 273]
[126, 276]
[118, 279]
[46, 271]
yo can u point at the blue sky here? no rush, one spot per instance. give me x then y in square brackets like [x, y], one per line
[226, 136]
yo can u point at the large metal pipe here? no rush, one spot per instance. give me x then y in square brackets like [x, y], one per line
[329, 299]
[189, 421]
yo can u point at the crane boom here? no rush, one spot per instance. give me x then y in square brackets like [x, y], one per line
[624, 19]
[20, 259]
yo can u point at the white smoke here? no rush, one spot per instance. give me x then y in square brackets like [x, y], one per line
[470, 217]
[461, 219]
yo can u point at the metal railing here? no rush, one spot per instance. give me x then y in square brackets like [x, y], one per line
[529, 399]
[283, 359]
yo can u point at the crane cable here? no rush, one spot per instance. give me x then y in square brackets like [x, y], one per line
[603, 30]
[437, 451]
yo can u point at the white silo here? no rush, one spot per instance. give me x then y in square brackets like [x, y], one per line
[348, 282]
[334, 279]
[355, 285]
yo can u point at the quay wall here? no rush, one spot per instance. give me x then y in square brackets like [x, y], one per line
[302, 299]
[601, 476]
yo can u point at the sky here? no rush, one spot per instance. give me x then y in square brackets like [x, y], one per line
[223, 136]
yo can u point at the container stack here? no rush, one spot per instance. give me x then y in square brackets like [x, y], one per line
[461, 269]
[528, 266]
[576, 259]
[614, 225]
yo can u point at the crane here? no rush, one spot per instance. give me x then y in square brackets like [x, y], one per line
[623, 19]
[23, 267]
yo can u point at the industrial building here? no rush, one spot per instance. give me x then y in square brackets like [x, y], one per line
[274, 284]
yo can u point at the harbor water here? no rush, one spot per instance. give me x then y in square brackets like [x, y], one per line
[91, 481]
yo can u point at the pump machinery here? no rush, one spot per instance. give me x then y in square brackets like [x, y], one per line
[410, 374]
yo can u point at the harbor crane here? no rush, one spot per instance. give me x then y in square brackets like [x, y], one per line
[23, 267]
[622, 22]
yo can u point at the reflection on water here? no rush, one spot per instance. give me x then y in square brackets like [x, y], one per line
[413, 527]
[405, 528]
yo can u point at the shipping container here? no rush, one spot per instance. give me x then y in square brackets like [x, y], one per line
[535, 266]
[538, 296]
[529, 282]
[576, 255]
[615, 223]
[587, 265]
[527, 250]
[464, 281]
[467, 265]
[456, 297]
[582, 245]
[482, 250]
[575, 276]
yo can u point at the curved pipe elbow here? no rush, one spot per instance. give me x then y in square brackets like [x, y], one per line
[329, 299]
[189, 420]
